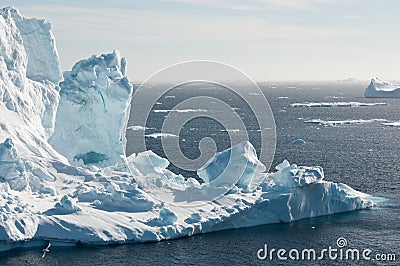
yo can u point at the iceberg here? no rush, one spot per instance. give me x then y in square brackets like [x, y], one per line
[391, 124]
[65, 178]
[382, 89]
[342, 122]
[335, 104]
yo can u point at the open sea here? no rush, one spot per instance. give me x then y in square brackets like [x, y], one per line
[364, 156]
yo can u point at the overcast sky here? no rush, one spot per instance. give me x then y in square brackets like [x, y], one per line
[267, 39]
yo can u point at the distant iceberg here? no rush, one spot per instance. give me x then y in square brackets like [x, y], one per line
[391, 124]
[343, 122]
[83, 188]
[382, 89]
[335, 104]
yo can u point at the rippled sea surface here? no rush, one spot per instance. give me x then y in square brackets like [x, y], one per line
[364, 156]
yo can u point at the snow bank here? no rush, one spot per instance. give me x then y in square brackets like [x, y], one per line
[64, 206]
[335, 104]
[382, 89]
[84, 191]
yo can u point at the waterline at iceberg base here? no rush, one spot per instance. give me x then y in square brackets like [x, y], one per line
[64, 176]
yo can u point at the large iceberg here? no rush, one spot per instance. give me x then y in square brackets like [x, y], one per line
[83, 189]
[382, 89]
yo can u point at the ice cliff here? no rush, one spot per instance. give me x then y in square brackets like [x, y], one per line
[94, 104]
[79, 188]
[28, 101]
[382, 89]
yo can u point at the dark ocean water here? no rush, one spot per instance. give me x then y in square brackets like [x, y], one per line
[364, 156]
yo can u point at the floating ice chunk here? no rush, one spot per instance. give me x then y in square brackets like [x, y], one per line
[161, 135]
[181, 111]
[230, 130]
[391, 124]
[93, 111]
[238, 166]
[134, 128]
[382, 89]
[298, 141]
[335, 104]
[342, 122]
[349, 80]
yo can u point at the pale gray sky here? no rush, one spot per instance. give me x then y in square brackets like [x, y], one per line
[267, 39]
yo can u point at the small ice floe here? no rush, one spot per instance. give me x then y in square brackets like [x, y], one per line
[137, 128]
[161, 135]
[343, 122]
[391, 124]
[335, 104]
[181, 111]
[298, 142]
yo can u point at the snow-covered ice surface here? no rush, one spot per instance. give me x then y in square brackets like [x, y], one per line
[80, 188]
[335, 104]
[382, 89]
